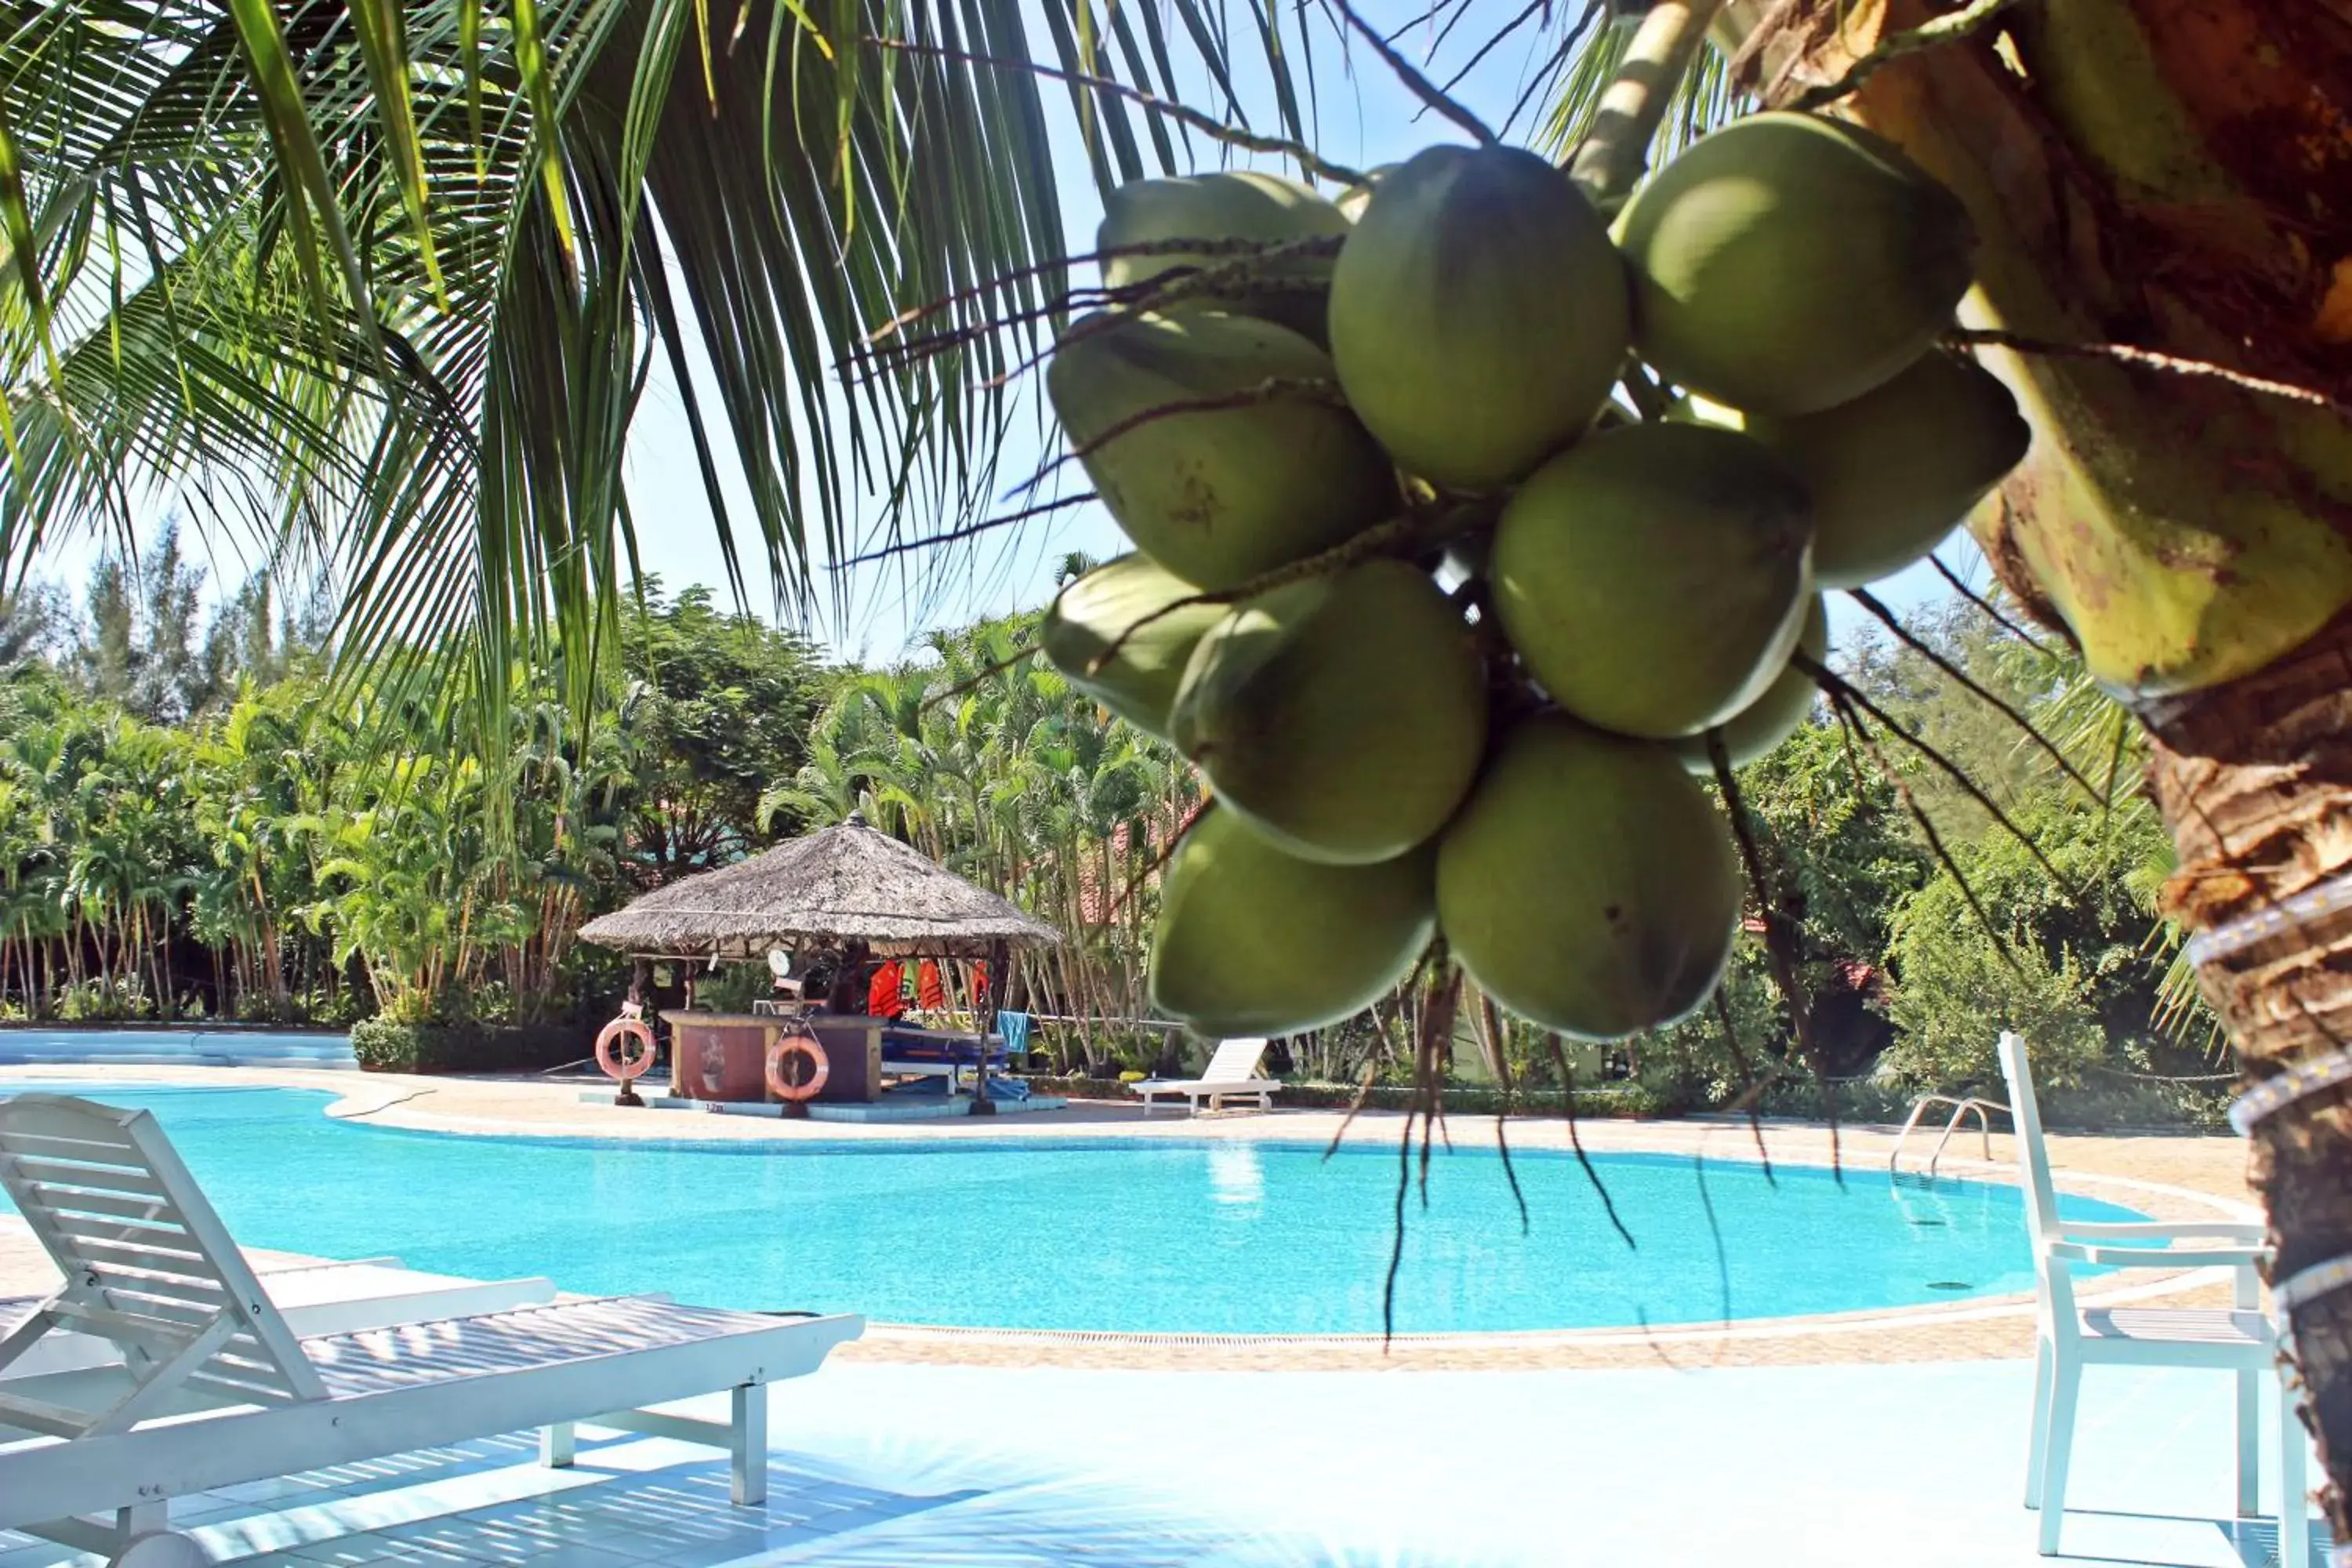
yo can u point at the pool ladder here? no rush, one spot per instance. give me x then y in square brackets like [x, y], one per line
[1962, 1106]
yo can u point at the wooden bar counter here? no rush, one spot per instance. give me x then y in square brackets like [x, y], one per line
[723, 1056]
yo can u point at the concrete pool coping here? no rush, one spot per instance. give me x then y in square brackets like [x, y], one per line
[2167, 1177]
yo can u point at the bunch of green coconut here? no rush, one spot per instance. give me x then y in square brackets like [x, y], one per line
[1470, 621]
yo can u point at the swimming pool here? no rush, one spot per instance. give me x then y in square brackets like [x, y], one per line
[1171, 1238]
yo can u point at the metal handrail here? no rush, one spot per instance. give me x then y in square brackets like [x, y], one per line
[1962, 1106]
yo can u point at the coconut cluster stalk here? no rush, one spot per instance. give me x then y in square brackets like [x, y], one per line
[1613, 155]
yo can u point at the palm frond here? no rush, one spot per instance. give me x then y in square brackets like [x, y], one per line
[381, 285]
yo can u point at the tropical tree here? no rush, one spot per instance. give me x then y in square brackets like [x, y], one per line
[308, 827]
[255, 796]
[393, 273]
[29, 620]
[716, 711]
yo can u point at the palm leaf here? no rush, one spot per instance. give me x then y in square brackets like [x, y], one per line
[523, 209]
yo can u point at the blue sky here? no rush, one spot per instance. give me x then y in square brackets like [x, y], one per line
[1362, 117]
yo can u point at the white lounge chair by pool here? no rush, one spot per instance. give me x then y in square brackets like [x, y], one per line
[2240, 1339]
[323, 1298]
[215, 1387]
[1232, 1074]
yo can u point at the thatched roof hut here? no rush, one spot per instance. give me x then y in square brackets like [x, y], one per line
[846, 883]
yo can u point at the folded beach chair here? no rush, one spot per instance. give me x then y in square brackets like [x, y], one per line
[1232, 1074]
[215, 1387]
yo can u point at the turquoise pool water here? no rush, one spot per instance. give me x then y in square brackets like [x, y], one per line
[1179, 1238]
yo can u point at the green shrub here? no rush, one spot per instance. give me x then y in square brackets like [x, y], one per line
[733, 987]
[1634, 1099]
[1958, 992]
[383, 1045]
[2077, 978]
[410, 1007]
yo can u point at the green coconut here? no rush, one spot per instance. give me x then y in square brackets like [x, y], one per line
[1786, 263]
[1653, 578]
[1760, 728]
[1896, 469]
[1234, 205]
[1216, 495]
[1093, 612]
[1589, 885]
[1252, 941]
[1478, 314]
[1343, 716]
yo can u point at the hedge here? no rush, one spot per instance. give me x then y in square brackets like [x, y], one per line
[382, 1046]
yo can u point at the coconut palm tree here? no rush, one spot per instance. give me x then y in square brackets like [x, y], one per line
[2174, 325]
[388, 277]
[2164, 221]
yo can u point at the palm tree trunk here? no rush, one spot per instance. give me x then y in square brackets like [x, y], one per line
[2255, 779]
[2173, 175]
[273, 963]
[166, 980]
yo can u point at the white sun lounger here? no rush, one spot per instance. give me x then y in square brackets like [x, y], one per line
[1232, 1074]
[215, 1387]
[321, 1298]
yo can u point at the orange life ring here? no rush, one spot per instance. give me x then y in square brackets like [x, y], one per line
[628, 1065]
[819, 1068]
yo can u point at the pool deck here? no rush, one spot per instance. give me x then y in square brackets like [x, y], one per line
[1787, 1445]
[900, 1466]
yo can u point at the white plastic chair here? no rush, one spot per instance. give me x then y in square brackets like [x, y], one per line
[2239, 1339]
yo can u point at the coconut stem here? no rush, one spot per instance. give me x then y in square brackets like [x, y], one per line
[1970, 18]
[1613, 156]
[1395, 535]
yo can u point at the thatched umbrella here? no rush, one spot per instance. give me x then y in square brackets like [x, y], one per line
[845, 884]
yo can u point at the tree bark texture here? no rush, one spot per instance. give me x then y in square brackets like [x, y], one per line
[2255, 779]
[2176, 175]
